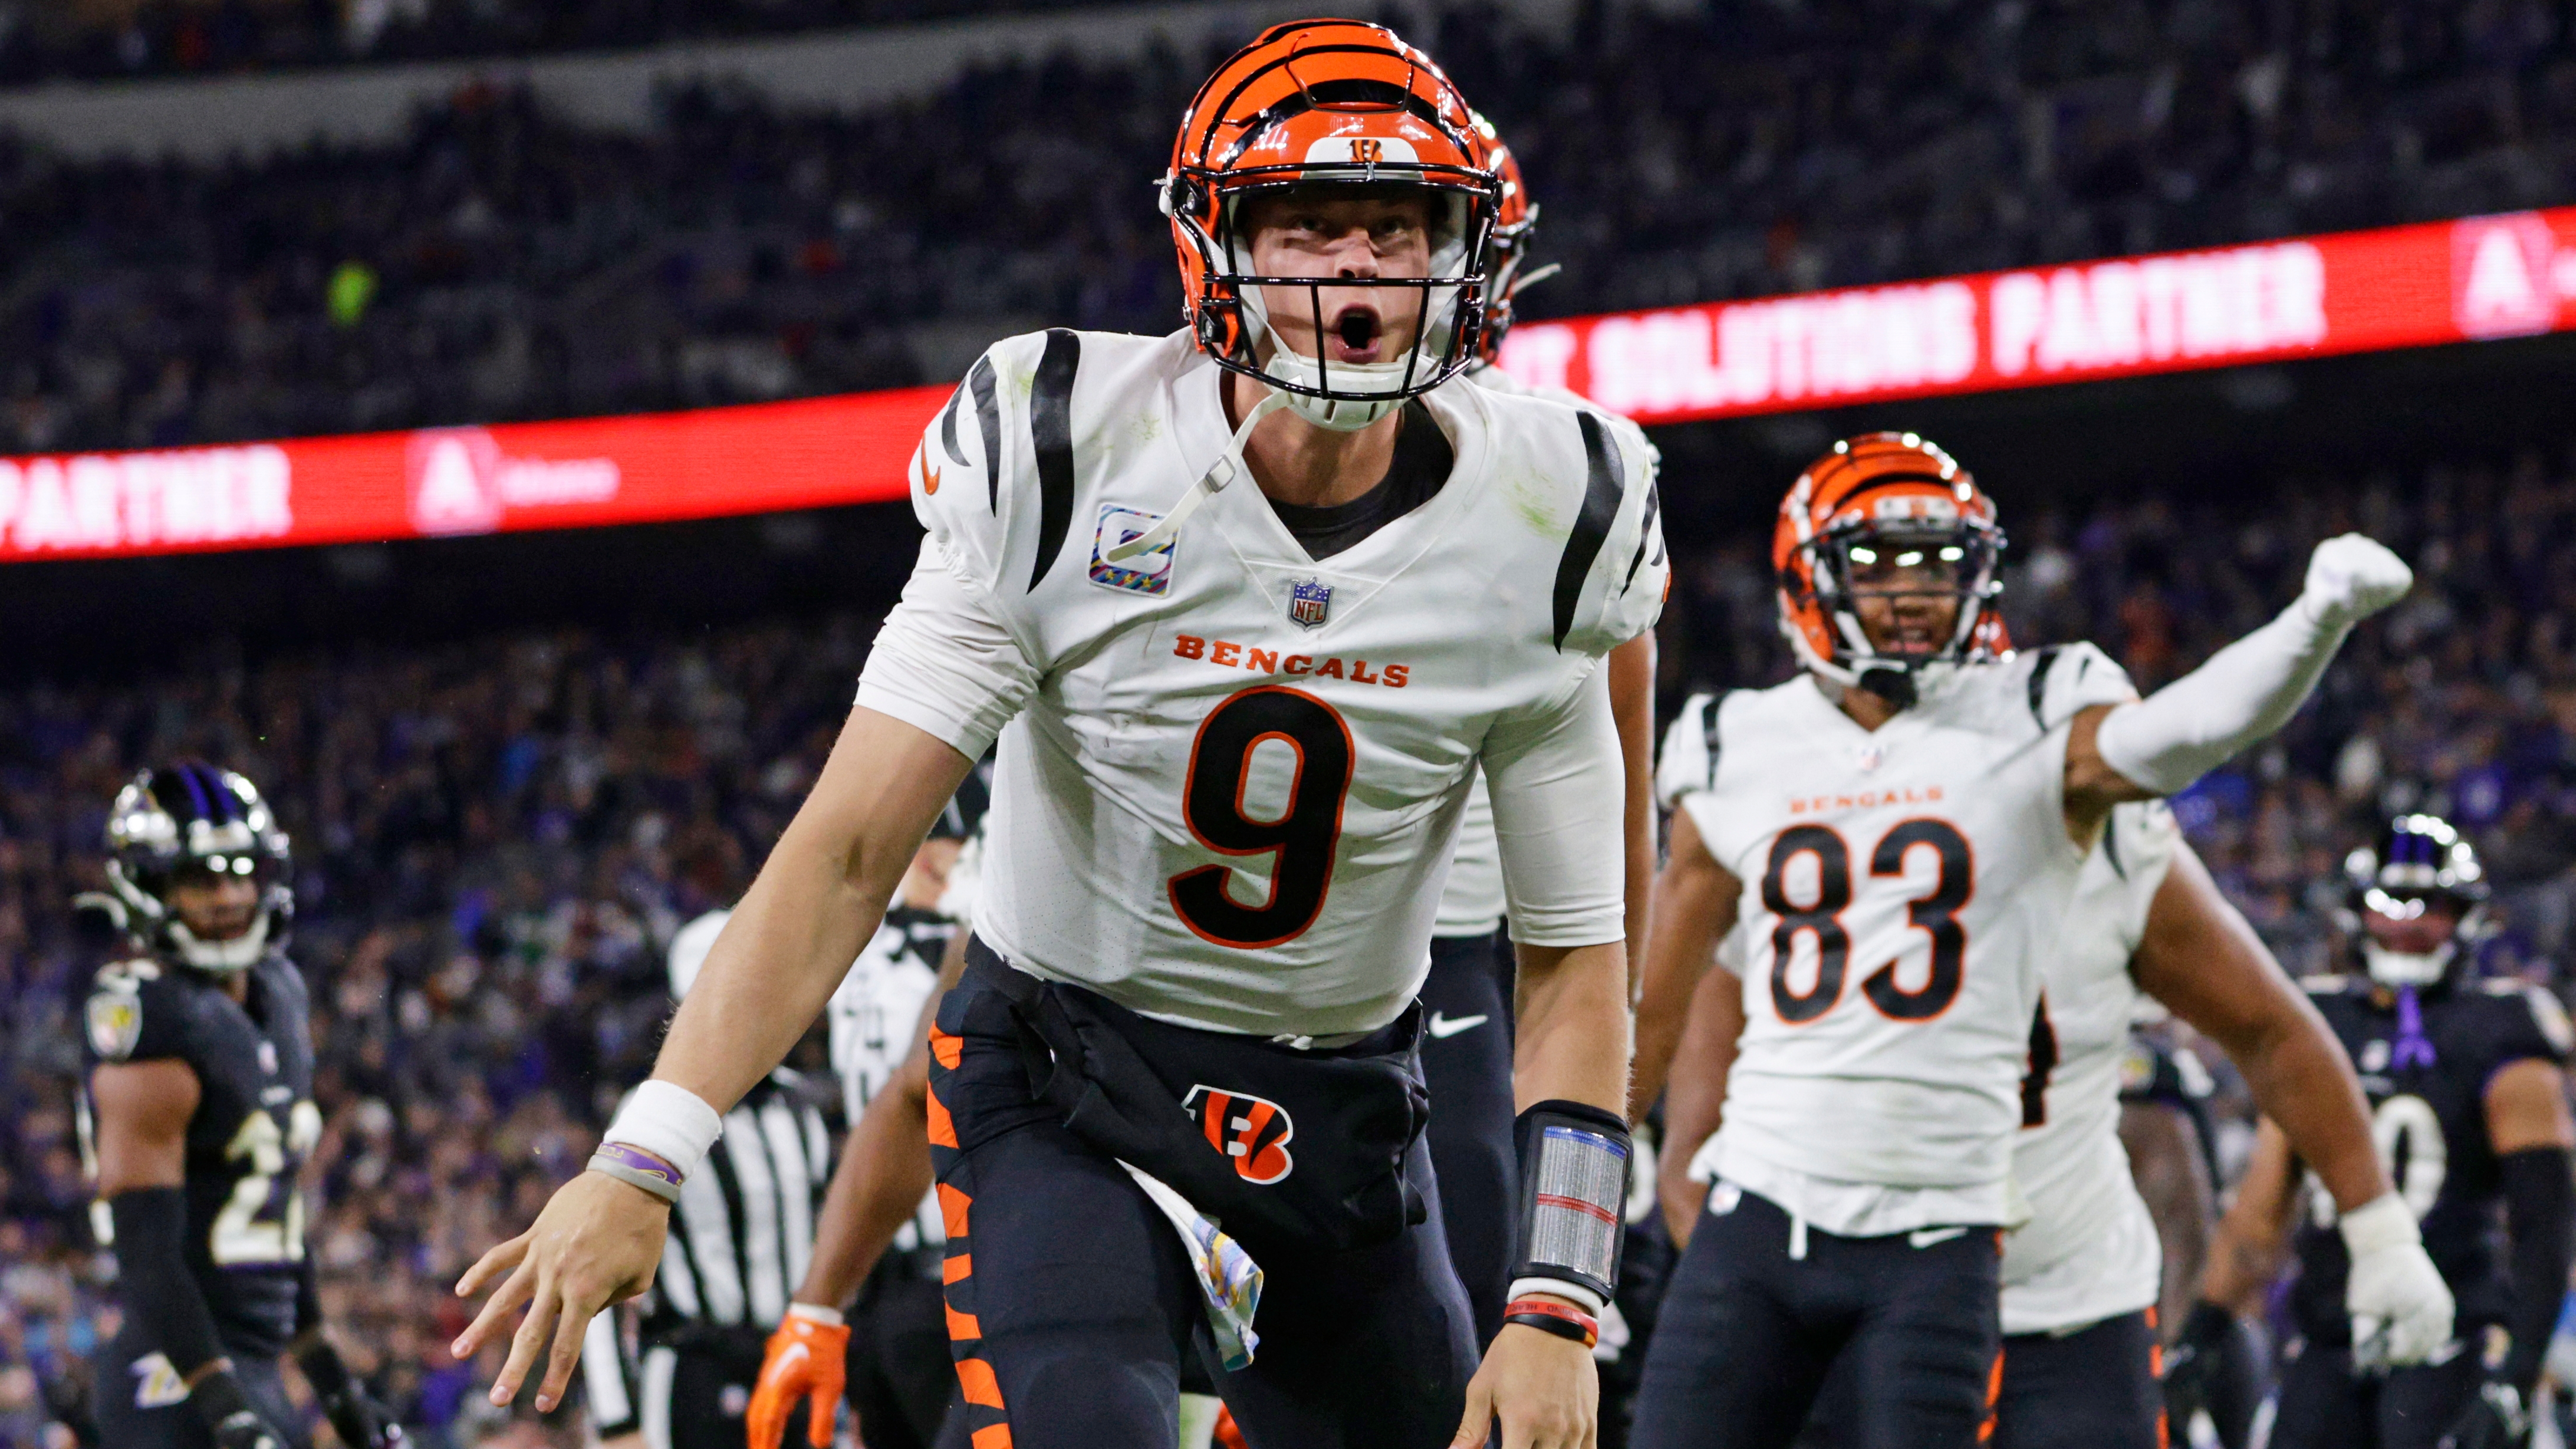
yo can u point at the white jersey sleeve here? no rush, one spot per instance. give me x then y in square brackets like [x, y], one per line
[2067, 679]
[1621, 594]
[1552, 772]
[956, 658]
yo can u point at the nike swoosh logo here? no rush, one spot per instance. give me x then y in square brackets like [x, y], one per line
[1448, 1026]
[792, 1354]
[929, 480]
[1926, 1237]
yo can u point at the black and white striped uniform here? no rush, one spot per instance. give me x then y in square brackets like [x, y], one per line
[741, 1237]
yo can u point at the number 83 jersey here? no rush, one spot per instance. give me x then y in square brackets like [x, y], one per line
[1902, 890]
[1232, 773]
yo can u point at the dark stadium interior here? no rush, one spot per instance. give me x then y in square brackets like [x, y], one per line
[512, 765]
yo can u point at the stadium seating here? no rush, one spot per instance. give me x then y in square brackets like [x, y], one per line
[503, 263]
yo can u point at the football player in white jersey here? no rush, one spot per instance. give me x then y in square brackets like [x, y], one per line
[1467, 1046]
[1236, 725]
[2082, 1277]
[1901, 830]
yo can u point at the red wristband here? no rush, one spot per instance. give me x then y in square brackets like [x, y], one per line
[1562, 1319]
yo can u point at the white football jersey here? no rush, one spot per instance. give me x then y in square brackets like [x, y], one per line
[1902, 889]
[1230, 776]
[2089, 1251]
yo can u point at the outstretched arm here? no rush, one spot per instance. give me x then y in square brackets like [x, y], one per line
[2200, 957]
[2245, 691]
[823, 889]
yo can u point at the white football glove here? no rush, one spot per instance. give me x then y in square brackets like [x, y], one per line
[2401, 1309]
[2351, 577]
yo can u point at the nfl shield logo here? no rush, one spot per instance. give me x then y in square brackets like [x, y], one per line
[1308, 603]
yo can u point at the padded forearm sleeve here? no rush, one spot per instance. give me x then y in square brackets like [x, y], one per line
[2540, 1217]
[153, 1277]
[2246, 691]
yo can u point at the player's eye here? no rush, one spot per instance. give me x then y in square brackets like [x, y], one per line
[1953, 554]
[1864, 555]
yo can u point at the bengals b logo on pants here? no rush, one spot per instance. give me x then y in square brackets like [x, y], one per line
[1250, 1130]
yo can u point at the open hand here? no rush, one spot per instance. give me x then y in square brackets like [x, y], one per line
[597, 1243]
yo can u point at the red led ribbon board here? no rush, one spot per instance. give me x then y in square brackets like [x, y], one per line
[2483, 277]
[645, 468]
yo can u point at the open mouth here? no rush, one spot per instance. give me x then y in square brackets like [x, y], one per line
[1356, 335]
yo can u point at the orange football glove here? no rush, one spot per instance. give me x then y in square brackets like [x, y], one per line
[806, 1359]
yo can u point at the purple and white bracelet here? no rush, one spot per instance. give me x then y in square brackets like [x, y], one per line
[639, 1167]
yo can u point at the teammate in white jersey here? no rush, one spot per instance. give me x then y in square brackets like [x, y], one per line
[2081, 1278]
[1901, 830]
[1467, 1046]
[1236, 726]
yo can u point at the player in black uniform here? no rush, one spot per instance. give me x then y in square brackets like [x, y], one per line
[201, 1113]
[2469, 1108]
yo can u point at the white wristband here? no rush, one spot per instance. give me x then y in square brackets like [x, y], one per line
[2383, 1222]
[1572, 1292]
[817, 1312]
[669, 1121]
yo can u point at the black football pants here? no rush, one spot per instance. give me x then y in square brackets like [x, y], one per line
[1071, 1304]
[1748, 1333]
[1467, 1067]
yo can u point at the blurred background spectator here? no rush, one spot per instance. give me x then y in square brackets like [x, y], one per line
[503, 263]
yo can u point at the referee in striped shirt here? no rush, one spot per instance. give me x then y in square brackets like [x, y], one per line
[741, 1237]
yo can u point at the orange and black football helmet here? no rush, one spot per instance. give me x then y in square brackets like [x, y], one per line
[1887, 514]
[1515, 219]
[1332, 102]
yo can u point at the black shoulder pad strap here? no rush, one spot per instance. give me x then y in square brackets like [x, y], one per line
[2045, 660]
[1601, 492]
[1708, 733]
[1051, 434]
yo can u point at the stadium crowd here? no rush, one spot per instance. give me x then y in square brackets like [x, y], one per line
[495, 838]
[502, 263]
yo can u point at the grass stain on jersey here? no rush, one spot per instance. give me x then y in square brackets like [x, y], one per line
[1531, 498]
